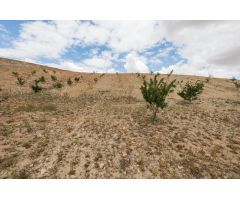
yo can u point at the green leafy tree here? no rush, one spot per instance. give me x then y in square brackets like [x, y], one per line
[191, 90]
[54, 78]
[237, 84]
[76, 79]
[155, 92]
[20, 81]
[36, 87]
[15, 74]
[42, 79]
[69, 82]
[57, 85]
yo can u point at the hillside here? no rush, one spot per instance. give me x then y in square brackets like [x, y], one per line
[99, 127]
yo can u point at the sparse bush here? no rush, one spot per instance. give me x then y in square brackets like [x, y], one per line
[101, 75]
[95, 80]
[33, 72]
[20, 81]
[207, 79]
[45, 71]
[237, 84]
[191, 90]
[233, 79]
[54, 71]
[15, 74]
[155, 93]
[57, 85]
[42, 79]
[76, 79]
[35, 87]
[54, 78]
[69, 81]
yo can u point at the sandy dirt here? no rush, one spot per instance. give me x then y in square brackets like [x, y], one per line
[101, 128]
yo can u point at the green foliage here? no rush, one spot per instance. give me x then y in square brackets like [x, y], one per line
[69, 82]
[76, 79]
[35, 87]
[101, 75]
[57, 85]
[33, 72]
[15, 74]
[20, 81]
[207, 79]
[42, 79]
[54, 78]
[237, 84]
[191, 90]
[155, 92]
[45, 71]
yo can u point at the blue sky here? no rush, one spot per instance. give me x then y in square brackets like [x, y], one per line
[187, 47]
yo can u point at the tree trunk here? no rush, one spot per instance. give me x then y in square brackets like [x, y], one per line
[154, 116]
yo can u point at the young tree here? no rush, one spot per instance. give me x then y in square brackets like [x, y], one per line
[33, 72]
[191, 90]
[155, 92]
[20, 81]
[42, 79]
[237, 84]
[76, 79]
[69, 81]
[54, 78]
[57, 85]
[15, 74]
[35, 87]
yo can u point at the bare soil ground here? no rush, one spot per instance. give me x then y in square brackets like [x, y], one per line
[101, 128]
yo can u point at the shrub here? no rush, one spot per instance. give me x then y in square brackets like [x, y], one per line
[155, 93]
[20, 81]
[191, 90]
[54, 71]
[15, 74]
[42, 79]
[45, 71]
[237, 84]
[95, 80]
[35, 87]
[101, 75]
[233, 79]
[76, 79]
[207, 79]
[33, 72]
[57, 85]
[54, 78]
[69, 81]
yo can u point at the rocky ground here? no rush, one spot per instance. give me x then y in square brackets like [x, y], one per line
[102, 129]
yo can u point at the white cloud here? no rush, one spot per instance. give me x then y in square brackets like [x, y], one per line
[134, 63]
[209, 46]
[212, 45]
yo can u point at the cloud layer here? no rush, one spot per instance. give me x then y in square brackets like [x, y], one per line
[197, 47]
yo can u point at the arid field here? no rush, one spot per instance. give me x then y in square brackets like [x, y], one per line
[100, 127]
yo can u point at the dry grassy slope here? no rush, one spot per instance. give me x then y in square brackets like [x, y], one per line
[96, 131]
[119, 84]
